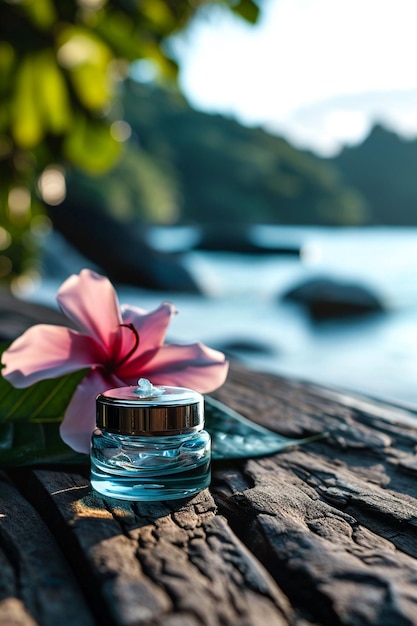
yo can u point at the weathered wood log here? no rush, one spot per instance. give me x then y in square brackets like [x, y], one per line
[148, 563]
[37, 586]
[324, 533]
[334, 522]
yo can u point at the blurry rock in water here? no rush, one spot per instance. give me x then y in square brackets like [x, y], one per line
[16, 316]
[236, 347]
[326, 298]
[60, 259]
[237, 238]
[120, 251]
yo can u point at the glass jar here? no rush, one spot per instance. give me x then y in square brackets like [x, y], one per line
[150, 443]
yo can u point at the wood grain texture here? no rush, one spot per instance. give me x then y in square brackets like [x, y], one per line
[37, 586]
[333, 521]
[146, 563]
[324, 533]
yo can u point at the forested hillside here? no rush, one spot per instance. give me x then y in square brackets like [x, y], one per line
[184, 166]
[384, 170]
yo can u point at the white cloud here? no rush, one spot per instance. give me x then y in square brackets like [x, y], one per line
[305, 53]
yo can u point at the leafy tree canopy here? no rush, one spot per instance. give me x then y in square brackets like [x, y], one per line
[61, 63]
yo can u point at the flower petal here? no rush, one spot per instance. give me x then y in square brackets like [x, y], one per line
[80, 417]
[151, 325]
[91, 302]
[46, 351]
[195, 366]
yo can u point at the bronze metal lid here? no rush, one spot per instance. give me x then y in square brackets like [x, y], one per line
[150, 411]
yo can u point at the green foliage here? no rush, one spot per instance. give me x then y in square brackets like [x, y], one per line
[45, 401]
[383, 169]
[29, 443]
[247, 9]
[231, 173]
[61, 62]
[139, 188]
[233, 436]
[30, 418]
[90, 146]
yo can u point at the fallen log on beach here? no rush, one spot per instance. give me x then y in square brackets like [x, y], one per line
[321, 533]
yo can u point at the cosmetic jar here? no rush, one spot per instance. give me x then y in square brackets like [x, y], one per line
[149, 443]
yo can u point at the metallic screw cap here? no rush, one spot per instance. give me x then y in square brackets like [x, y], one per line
[146, 410]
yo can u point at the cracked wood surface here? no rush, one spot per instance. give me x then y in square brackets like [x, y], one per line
[324, 533]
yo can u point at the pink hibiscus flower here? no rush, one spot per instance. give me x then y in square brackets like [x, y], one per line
[119, 345]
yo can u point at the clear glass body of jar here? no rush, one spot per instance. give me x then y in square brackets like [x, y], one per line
[149, 468]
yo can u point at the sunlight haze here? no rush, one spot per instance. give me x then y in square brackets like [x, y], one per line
[318, 72]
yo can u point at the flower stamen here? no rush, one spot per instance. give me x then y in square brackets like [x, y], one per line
[133, 348]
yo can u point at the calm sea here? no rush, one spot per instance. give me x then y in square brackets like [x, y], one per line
[242, 310]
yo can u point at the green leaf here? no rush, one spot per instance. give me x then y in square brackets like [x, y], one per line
[25, 443]
[43, 402]
[90, 146]
[27, 124]
[30, 404]
[235, 437]
[30, 419]
[53, 97]
[42, 13]
[248, 10]
[86, 58]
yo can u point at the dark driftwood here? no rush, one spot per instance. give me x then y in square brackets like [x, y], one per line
[16, 316]
[36, 582]
[325, 533]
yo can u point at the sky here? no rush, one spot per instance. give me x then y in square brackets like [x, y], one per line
[317, 72]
